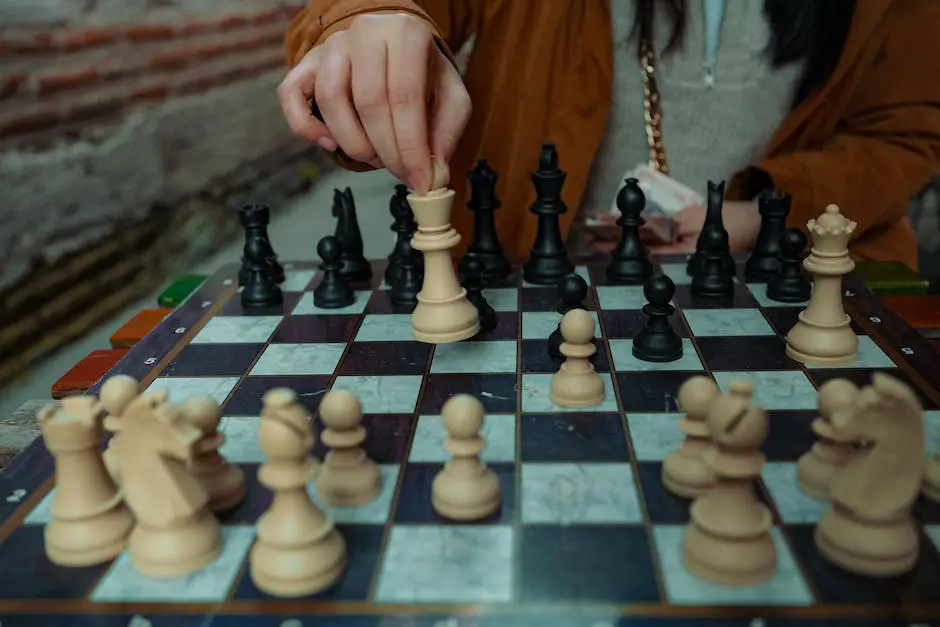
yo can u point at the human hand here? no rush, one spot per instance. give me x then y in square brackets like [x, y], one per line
[387, 94]
[741, 219]
[603, 235]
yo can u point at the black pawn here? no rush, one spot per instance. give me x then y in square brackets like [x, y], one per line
[572, 292]
[630, 262]
[333, 292]
[473, 283]
[658, 341]
[762, 265]
[260, 292]
[790, 284]
[484, 203]
[404, 227]
[713, 280]
[548, 260]
[408, 279]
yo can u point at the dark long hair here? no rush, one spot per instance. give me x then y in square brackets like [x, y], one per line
[810, 31]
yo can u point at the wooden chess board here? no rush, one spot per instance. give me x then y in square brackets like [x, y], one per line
[607, 554]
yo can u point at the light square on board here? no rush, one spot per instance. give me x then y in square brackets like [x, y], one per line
[180, 389]
[931, 432]
[870, 355]
[933, 532]
[794, 506]
[393, 394]
[775, 389]
[565, 493]
[385, 328]
[787, 587]
[535, 395]
[241, 444]
[237, 330]
[502, 298]
[475, 357]
[298, 359]
[538, 325]
[581, 271]
[655, 436]
[727, 322]
[676, 272]
[447, 564]
[620, 297]
[306, 307]
[375, 512]
[296, 280]
[624, 361]
[123, 584]
[499, 431]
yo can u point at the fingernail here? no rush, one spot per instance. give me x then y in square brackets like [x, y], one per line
[419, 183]
[326, 144]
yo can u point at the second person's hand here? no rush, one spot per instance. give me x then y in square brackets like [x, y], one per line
[388, 96]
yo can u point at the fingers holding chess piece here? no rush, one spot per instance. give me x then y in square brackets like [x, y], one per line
[347, 476]
[685, 472]
[577, 384]
[818, 466]
[223, 482]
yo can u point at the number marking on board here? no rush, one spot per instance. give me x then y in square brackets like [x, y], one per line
[180, 330]
[150, 361]
[907, 350]
[874, 319]
[16, 495]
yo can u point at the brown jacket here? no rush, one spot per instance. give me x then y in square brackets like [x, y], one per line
[543, 69]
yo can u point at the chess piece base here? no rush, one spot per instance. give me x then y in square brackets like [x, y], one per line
[582, 389]
[687, 475]
[176, 551]
[298, 571]
[871, 549]
[817, 345]
[89, 541]
[465, 498]
[444, 322]
[225, 487]
[627, 271]
[349, 486]
[729, 562]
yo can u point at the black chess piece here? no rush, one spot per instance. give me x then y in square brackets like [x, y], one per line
[485, 242]
[355, 267]
[260, 293]
[713, 280]
[333, 292]
[548, 260]
[473, 283]
[403, 226]
[713, 218]
[762, 265]
[658, 341]
[790, 284]
[254, 218]
[408, 280]
[630, 262]
[572, 292]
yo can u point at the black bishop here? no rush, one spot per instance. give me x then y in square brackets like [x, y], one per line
[630, 262]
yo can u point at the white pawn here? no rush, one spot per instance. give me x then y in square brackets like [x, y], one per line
[816, 469]
[577, 384]
[685, 472]
[224, 482]
[347, 476]
[115, 395]
[465, 489]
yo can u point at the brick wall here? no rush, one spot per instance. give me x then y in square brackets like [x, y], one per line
[109, 108]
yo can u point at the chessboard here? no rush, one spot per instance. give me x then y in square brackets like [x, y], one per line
[586, 535]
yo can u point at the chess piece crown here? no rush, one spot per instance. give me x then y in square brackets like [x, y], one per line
[830, 232]
[548, 180]
[483, 181]
[254, 215]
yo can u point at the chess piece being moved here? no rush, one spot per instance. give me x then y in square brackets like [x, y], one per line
[355, 267]
[932, 478]
[473, 283]
[713, 278]
[764, 261]
[823, 334]
[658, 341]
[572, 292]
[90, 523]
[254, 218]
[115, 395]
[577, 384]
[629, 261]
[485, 243]
[818, 467]
[790, 284]
[548, 260]
[728, 540]
[347, 476]
[223, 482]
[869, 529]
[298, 551]
[685, 472]
[333, 292]
[714, 221]
[443, 313]
[465, 489]
[175, 534]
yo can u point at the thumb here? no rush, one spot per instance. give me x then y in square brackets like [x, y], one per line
[450, 108]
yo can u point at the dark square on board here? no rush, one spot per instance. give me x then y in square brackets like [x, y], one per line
[546, 299]
[381, 303]
[790, 436]
[507, 328]
[745, 353]
[316, 329]
[535, 357]
[626, 324]
[246, 400]
[381, 358]
[233, 307]
[741, 298]
[662, 506]
[386, 437]
[213, 360]
[586, 563]
[573, 437]
[414, 499]
[862, 377]
[835, 585]
[497, 392]
[653, 391]
[26, 572]
[363, 548]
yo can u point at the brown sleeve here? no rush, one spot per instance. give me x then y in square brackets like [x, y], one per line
[452, 22]
[888, 147]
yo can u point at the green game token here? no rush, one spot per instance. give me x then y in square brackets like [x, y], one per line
[891, 278]
[179, 289]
